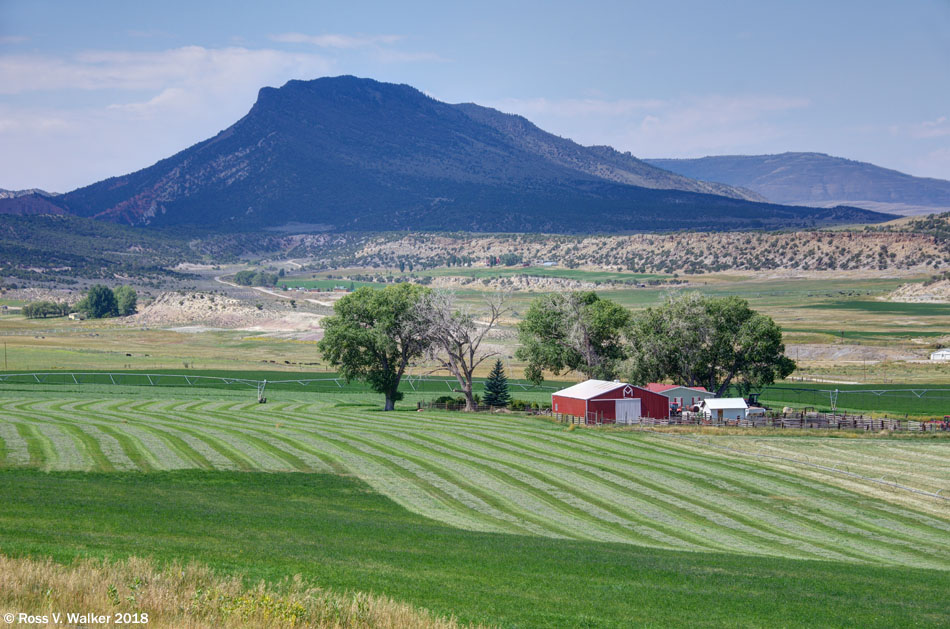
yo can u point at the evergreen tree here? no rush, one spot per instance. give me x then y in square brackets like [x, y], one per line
[496, 387]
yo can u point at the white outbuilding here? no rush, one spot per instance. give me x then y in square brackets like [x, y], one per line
[941, 354]
[722, 408]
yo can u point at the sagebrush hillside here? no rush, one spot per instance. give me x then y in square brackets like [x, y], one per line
[656, 253]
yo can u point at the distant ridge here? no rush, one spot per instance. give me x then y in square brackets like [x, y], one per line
[356, 154]
[818, 180]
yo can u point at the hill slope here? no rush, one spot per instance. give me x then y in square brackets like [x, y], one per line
[357, 154]
[817, 179]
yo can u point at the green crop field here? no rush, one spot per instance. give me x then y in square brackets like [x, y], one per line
[416, 389]
[543, 271]
[886, 307]
[918, 401]
[324, 284]
[501, 519]
[488, 473]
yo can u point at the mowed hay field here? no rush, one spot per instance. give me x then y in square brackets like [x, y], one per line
[510, 474]
[498, 519]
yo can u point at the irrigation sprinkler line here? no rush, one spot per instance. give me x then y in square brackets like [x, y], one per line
[880, 481]
[191, 380]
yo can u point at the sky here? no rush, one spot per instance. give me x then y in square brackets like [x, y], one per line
[90, 90]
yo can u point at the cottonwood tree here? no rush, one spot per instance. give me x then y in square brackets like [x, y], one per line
[126, 300]
[710, 342]
[456, 337]
[98, 303]
[375, 334]
[577, 331]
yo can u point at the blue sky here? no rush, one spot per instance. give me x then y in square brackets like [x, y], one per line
[92, 90]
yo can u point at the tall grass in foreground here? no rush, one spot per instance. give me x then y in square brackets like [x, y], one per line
[192, 597]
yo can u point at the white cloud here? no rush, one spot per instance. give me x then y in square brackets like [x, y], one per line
[191, 93]
[664, 128]
[938, 128]
[577, 106]
[13, 39]
[335, 40]
[97, 70]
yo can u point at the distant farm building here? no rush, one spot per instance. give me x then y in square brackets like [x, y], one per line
[941, 354]
[680, 396]
[601, 401]
[724, 408]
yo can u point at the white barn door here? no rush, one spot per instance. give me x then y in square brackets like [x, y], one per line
[628, 411]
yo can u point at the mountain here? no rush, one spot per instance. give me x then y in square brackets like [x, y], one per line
[346, 153]
[603, 162]
[819, 180]
[12, 194]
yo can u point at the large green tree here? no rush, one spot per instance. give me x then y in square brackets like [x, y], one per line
[99, 302]
[375, 334]
[711, 342]
[573, 332]
[126, 300]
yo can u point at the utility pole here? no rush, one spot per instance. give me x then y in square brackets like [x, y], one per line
[4, 356]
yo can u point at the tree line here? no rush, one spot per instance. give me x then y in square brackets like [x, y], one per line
[98, 302]
[376, 334]
[691, 339]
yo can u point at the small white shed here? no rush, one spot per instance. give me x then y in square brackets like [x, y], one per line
[941, 354]
[723, 408]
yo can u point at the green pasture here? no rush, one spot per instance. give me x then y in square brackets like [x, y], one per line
[416, 389]
[886, 307]
[927, 400]
[490, 473]
[542, 271]
[500, 519]
[336, 532]
[324, 284]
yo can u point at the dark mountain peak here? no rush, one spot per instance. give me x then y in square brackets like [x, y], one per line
[340, 92]
[357, 153]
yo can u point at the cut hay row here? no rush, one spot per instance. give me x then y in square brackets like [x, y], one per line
[504, 474]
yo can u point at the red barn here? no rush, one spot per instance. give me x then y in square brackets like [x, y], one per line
[600, 401]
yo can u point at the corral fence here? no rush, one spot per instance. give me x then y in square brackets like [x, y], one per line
[802, 421]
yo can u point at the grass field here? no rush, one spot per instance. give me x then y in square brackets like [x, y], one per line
[333, 530]
[416, 389]
[825, 310]
[925, 400]
[487, 473]
[325, 285]
[503, 520]
[544, 271]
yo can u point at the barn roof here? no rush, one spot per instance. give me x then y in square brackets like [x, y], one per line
[725, 402]
[656, 387]
[589, 389]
